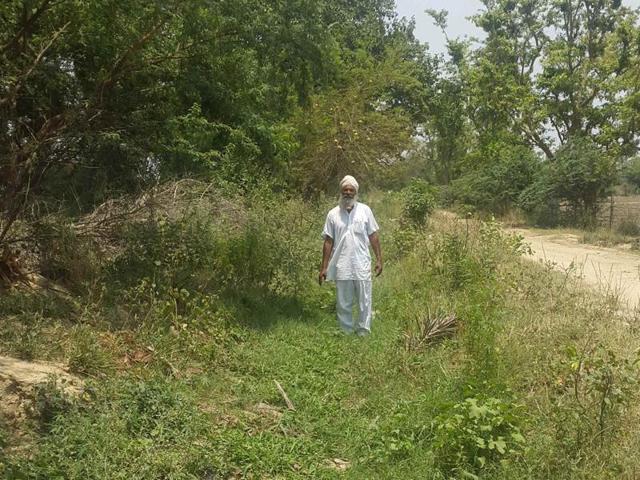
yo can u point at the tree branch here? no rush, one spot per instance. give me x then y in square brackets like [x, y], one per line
[29, 23]
[119, 65]
[15, 88]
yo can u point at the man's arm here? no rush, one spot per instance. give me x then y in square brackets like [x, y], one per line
[374, 239]
[326, 254]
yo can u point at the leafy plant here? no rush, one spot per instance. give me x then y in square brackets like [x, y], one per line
[419, 202]
[475, 433]
[596, 387]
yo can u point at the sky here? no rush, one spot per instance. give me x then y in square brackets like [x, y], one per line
[459, 24]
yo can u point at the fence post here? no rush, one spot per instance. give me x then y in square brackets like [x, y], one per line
[611, 213]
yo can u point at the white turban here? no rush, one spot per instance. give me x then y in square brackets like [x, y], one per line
[349, 180]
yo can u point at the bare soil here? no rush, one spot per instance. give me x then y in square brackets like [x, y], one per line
[17, 380]
[613, 271]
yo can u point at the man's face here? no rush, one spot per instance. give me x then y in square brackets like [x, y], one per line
[348, 192]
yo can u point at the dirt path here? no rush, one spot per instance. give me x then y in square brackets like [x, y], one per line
[611, 270]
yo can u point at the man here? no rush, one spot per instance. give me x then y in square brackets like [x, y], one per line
[349, 230]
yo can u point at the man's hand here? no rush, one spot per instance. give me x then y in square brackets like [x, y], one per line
[323, 276]
[378, 268]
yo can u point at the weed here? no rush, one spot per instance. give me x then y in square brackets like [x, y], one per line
[628, 228]
[477, 432]
[595, 388]
[87, 356]
[49, 401]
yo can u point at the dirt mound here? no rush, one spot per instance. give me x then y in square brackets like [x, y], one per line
[17, 381]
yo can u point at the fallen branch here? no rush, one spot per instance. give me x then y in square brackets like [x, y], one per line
[284, 396]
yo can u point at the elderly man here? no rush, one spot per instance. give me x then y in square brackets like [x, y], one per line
[349, 230]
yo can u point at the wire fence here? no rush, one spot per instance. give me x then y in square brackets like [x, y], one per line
[620, 210]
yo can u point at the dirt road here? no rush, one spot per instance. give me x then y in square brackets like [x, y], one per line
[610, 270]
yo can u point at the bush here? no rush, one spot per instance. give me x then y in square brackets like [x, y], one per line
[419, 202]
[580, 177]
[595, 388]
[494, 185]
[261, 245]
[475, 433]
[631, 172]
[628, 227]
[64, 256]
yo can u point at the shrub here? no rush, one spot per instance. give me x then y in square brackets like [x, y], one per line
[628, 227]
[631, 172]
[495, 184]
[579, 177]
[64, 256]
[595, 387]
[475, 433]
[419, 201]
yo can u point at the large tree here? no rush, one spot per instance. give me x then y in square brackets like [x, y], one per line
[550, 70]
[98, 98]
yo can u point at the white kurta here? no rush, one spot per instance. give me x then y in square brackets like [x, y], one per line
[350, 263]
[350, 257]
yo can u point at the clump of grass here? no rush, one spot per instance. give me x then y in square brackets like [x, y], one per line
[87, 356]
[49, 401]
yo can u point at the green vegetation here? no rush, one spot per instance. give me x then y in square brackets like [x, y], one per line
[165, 169]
[182, 368]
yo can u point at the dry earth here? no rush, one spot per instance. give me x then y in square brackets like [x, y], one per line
[17, 380]
[612, 271]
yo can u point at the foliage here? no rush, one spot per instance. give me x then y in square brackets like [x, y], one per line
[499, 173]
[138, 429]
[49, 402]
[87, 356]
[631, 172]
[419, 202]
[547, 76]
[475, 433]
[596, 386]
[628, 228]
[103, 99]
[578, 47]
[579, 177]
[194, 395]
[359, 128]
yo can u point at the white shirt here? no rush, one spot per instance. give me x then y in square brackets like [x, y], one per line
[350, 258]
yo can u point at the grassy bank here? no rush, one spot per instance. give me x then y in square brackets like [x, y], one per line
[182, 359]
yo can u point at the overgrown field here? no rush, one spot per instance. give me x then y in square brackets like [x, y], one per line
[183, 328]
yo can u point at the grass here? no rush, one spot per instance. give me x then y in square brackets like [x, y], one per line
[193, 394]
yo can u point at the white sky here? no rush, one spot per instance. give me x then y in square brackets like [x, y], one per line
[459, 25]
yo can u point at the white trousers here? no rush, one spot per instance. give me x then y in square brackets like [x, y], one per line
[345, 291]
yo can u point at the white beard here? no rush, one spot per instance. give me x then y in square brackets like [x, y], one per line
[347, 202]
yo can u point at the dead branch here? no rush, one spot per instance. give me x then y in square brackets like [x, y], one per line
[284, 396]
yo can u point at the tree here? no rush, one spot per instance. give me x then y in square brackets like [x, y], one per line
[581, 175]
[555, 68]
